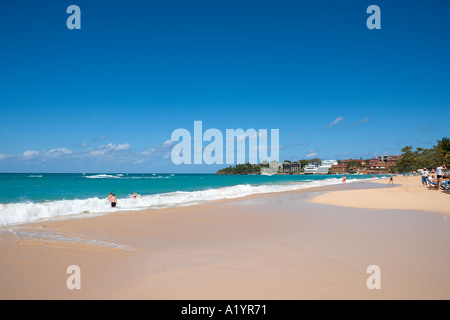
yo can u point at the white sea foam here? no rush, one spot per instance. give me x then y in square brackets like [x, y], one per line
[19, 213]
[153, 177]
[121, 176]
[35, 176]
[102, 176]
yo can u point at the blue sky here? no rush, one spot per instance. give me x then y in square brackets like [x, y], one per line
[107, 98]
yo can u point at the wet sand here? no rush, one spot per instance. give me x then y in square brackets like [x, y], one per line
[277, 246]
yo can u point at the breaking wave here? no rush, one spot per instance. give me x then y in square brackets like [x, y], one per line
[24, 212]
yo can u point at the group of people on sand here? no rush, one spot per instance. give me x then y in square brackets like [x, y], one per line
[438, 181]
[113, 199]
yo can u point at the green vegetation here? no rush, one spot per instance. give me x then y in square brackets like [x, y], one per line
[424, 158]
[241, 169]
[316, 161]
[303, 163]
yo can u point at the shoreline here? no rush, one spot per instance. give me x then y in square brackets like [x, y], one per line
[109, 211]
[63, 219]
[264, 246]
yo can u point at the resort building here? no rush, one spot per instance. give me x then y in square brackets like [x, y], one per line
[287, 167]
[363, 162]
[348, 166]
[326, 165]
[291, 167]
[311, 169]
[391, 161]
[382, 164]
[339, 168]
[378, 165]
[375, 166]
[273, 168]
[295, 167]
[382, 158]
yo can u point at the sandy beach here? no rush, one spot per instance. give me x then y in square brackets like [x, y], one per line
[409, 194]
[309, 244]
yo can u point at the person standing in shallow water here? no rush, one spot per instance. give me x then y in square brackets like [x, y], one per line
[344, 179]
[391, 180]
[135, 195]
[113, 201]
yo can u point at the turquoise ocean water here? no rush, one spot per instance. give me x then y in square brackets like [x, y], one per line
[30, 197]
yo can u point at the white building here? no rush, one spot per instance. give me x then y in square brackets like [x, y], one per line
[325, 167]
[311, 169]
[273, 168]
[382, 158]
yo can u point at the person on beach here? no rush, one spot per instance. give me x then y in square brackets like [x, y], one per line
[431, 180]
[135, 195]
[425, 175]
[391, 180]
[113, 201]
[109, 197]
[445, 183]
[440, 175]
[344, 179]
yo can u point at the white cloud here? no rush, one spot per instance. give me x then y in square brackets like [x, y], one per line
[100, 138]
[161, 151]
[84, 144]
[362, 121]
[158, 151]
[3, 156]
[148, 152]
[120, 147]
[109, 148]
[30, 154]
[311, 155]
[96, 153]
[336, 121]
[168, 143]
[59, 152]
[139, 161]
